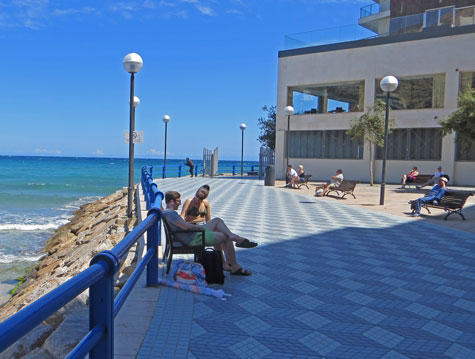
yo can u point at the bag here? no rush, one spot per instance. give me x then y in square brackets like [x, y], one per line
[189, 272]
[212, 262]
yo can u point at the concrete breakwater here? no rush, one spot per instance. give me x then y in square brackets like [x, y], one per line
[95, 227]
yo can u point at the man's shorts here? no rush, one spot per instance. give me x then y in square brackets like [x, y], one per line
[210, 238]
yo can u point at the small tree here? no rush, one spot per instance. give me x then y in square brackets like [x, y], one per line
[462, 121]
[370, 127]
[267, 127]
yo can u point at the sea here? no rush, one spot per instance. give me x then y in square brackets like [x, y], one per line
[39, 194]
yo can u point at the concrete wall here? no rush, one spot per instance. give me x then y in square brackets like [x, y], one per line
[448, 55]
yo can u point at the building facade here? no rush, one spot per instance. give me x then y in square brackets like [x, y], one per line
[432, 55]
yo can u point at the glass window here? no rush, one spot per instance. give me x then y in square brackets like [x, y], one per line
[465, 154]
[467, 81]
[331, 98]
[437, 17]
[324, 144]
[413, 144]
[417, 92]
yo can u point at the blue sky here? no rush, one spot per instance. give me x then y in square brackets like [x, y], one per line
[209, 64]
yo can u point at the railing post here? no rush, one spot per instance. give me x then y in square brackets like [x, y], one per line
[163, 172]
[196, 171]
[234, 170]
[179, 171]
[252, 168]
[151, 170]
[101, 305]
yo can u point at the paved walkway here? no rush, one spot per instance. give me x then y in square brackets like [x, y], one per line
[330, 281]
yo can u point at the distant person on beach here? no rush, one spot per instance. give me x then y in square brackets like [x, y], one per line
[335, 181]
[190, 164]
[434, 196]
[410, 177]
[216, 233]
[197, 209]
[435, 178]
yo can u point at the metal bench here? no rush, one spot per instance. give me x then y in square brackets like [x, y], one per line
[346, 187]
[452, 202]
[420, 179]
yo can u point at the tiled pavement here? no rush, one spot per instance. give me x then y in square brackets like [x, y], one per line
[329, 281]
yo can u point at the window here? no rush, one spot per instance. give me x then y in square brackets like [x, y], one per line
[416, 92]
[413, 144]
[438, 17]
[464, 154]
[330, 98]
[324, 144]
[467, 81]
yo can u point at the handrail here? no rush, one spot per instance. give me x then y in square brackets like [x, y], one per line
[177, 170]
[99, 278]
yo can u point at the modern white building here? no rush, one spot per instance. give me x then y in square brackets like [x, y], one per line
[428, 45]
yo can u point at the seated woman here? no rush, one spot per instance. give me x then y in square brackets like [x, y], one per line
[335, 181]
[197, 209]
[410, 177]
[299, 178]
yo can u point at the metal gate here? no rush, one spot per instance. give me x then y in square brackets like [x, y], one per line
[210, 162]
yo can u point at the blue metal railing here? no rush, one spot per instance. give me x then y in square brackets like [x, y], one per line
[99, 278]
[179, 171]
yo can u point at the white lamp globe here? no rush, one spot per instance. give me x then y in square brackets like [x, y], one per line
[132, 63]
[243, 126]
[136, 101]
[166, 119]
[389, 83]
[289, 110]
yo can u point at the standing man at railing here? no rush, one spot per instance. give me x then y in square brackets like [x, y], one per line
[190, 164]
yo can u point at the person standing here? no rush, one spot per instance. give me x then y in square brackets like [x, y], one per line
[190, 164]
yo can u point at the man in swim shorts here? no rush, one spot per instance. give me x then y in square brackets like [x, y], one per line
[216, 233]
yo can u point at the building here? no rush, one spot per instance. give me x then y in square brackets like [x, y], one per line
[427, 45]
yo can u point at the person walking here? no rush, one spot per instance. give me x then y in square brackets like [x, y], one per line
[190, 164]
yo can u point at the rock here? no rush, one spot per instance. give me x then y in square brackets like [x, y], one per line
[38, 353]
[27, 343]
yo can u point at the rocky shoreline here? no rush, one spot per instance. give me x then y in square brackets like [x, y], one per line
[94, 227]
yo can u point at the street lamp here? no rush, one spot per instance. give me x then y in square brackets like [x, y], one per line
[288, 110]
[242, 127]
[132, 64]
[388, 84]
[165, 120]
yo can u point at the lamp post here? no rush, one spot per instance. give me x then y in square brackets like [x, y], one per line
[132, 64]
[242, 127]
[388, 84]
[165, 120]
[288, 110]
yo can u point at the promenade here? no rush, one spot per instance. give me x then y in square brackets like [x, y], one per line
[329, 281]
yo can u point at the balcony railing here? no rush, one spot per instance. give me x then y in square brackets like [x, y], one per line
[369, 10]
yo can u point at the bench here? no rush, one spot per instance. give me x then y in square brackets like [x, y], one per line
[174, 246]
[420, 179]
[252, 173]
[304, 182]
[346, 187]
[452, 202]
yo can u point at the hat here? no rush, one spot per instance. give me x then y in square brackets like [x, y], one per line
[444, 179]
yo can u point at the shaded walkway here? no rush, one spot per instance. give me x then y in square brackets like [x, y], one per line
[330, 281]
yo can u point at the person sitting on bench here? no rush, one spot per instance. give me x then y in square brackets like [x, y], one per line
[335, 181]
[410, 177]
[300, 177]
[435, 195]
[434, 179]
[216, 233]
[291, 176]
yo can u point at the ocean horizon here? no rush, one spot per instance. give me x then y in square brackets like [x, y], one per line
[38, 194]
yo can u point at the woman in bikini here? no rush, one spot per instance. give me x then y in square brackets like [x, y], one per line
[197, 210]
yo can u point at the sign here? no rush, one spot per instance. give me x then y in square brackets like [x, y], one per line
[138, 136]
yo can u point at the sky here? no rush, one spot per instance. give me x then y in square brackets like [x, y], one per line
[211, 65]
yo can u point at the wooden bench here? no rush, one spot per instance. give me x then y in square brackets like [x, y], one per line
[174, 246]
[420, 179]
[304, 182]
[346, 187]
[452, 202]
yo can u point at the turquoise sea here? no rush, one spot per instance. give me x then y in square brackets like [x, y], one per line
[39, 194]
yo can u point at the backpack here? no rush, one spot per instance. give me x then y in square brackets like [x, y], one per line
[212, 261]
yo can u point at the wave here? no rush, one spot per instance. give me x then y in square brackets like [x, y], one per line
[11, 258]
[29, 227]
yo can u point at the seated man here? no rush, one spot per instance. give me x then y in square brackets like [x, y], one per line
[291, 176]
[434, 179]
[216, 233]
[300, 177]
[335, 181]
[435, 195]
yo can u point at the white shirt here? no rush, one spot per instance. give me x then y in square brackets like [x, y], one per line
[438, 174]
[292, 173]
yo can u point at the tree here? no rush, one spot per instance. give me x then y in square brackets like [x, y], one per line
[267, 127]
[370, 127]
[462, 121]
